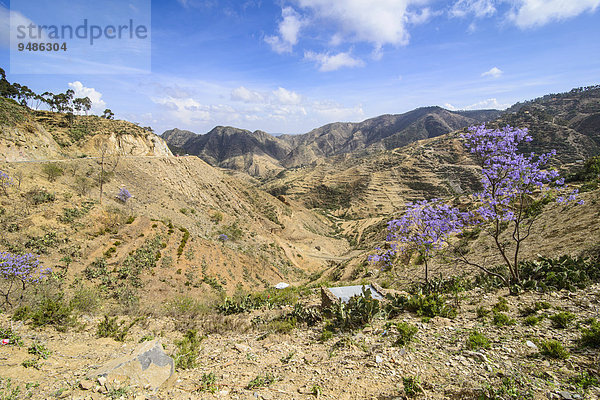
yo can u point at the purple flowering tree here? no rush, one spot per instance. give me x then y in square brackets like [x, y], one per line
[18, 271]
[123, 195]
[511, 182]
[424, 228]
[5, 182]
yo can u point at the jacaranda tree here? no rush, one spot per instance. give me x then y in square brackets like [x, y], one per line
[514, 188]
[5, 182]
[515, 185]
[18, 271]
[424, 228]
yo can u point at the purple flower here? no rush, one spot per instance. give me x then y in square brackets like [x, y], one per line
[123, 195]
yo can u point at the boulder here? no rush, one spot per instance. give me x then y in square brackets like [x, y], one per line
[148, 366]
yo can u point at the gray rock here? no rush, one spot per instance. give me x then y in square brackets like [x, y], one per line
[531, 345]
[148, 366]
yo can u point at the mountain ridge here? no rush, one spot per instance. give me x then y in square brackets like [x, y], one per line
[260, 153]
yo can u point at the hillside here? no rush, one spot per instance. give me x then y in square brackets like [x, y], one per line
[43, 135]
[261, 154]
[186, 254]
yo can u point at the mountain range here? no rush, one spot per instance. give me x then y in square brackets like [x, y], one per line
[261, 154]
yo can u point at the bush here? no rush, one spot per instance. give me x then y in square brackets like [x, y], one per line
[562, 320]
[501, 305]
[52, 311]
[185, 306]
[308, 315]
[590, 337]
[184, 239]
[429, 306]
[109, 327]
[86, 300]
[40, 196]
[13, 338]
[412, 386]
[186, 356]
[406, 332]
[477, 340]
[482, 312]
[52, 171]
[553, 349]
[208, 383]
[38, 349]
[511, 388]
[262, 381]
[359, 311]
[565, 272]
[501, 319]
[533, 320]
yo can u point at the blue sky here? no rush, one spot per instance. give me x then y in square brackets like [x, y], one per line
[289, 66]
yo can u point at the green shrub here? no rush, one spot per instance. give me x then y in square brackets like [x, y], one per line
[501, 319]
[52, 171]
[477, 340]
[21, 313]
[430, 306]
[52, 310]
[186, 356]
[359, 311]
[501, 305]
[533, 320]
[308, 315]
[40, 196]
[96, 269]
[38, 349]
[565, 272]
[31, 363]
[262, 381]
[542, 305]
[13, 338]
[86, 300]
[406, 333]
[412, 386]
[482, 312]
[590, 337]
[584, 380]
[553, 349]
[208, 383]
[511, 388]
[41, 244]
[109, 327]
[185, 306]
[282, 326]
[562, 320]
[69, 215]
[327, 332]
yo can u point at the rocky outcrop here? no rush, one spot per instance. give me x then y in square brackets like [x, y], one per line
[148, 366]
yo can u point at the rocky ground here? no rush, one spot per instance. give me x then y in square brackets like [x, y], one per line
[364, 364]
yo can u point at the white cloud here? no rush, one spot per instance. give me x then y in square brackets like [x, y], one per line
[246, 95]
[98, 105]
[332, 111]
[533, 13]
[334, 62]
[289, 28]
[495, 72]
[380, 22]
[479, 8]
[285, 96]
[481, 105]
[186, 111]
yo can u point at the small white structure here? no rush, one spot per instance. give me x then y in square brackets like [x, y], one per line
[281, 285]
